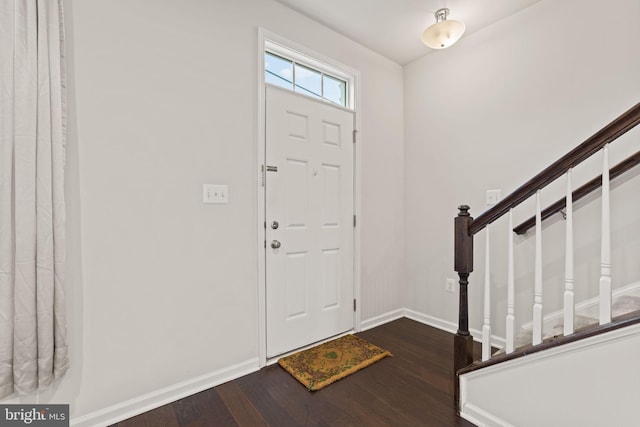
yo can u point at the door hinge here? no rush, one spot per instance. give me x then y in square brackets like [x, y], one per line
[265, 244]
[354, 135]
[263, 174]
[354, 221]
[354, 304]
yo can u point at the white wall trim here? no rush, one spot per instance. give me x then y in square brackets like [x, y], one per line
[138, 405]
[260, 196]
[382, 319]
[267, 37]
[482, 418]
[470, 412]
[445, 325]
[357, 208]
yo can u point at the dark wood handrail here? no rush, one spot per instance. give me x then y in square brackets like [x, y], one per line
[618, 127]
[594, 184]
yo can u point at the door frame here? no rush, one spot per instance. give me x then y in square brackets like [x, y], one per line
[272, 40]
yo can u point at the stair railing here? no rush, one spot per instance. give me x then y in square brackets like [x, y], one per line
[466, 227]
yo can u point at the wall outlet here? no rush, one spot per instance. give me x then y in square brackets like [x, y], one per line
[493, 197]
[450, 285]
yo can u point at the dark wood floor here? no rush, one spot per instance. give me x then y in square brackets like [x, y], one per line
[413, 388]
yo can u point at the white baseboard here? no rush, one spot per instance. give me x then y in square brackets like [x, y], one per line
[436, 322]
[451, 327]
[382, 319]
[481, 418]
[138, 405]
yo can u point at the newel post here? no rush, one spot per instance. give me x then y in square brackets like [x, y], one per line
[463, 341]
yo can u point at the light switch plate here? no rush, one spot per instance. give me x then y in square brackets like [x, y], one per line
[214, 193]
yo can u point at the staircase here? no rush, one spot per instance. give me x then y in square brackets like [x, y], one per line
[574, 366]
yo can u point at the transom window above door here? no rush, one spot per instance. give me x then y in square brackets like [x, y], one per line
[292, 75]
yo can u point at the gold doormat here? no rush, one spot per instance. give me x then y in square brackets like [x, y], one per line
[326, 363]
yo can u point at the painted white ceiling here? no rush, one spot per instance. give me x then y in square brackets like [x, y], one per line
[393, 28]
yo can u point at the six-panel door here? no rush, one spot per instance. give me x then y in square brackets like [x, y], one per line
[309, 212]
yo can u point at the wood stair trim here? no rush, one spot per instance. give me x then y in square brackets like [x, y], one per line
[619, 322]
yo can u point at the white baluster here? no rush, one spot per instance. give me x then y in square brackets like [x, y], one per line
[537, 292]
[486, 325]
[605, 253]
[511, 306]
[569, 306]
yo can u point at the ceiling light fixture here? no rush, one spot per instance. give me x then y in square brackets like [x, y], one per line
[443, 33]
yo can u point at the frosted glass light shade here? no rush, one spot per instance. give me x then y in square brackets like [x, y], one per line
[443, 33]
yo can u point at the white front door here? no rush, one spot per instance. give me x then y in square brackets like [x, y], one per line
[309, 227]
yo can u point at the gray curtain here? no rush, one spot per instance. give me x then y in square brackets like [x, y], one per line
[33, 339]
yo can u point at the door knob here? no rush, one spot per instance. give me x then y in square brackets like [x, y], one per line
[275, 244]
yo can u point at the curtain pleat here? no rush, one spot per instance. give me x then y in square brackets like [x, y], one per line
[7, 91]
[32, 219]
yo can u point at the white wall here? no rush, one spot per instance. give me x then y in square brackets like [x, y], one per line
[493, 111]
[163, 289]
